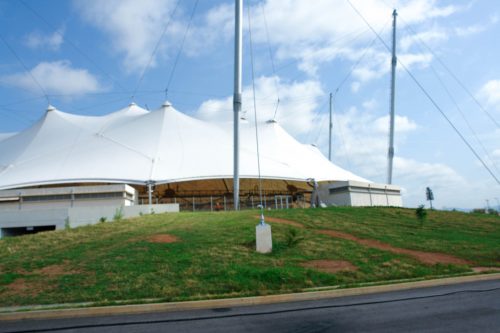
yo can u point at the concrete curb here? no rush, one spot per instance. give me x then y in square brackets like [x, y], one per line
[233, 302]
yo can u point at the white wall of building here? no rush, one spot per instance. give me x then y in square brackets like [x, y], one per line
[73, 217]
[353, 193]
[66, 197]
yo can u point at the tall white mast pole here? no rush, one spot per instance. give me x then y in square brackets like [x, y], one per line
[238, 32]
[393, 93]
[330, 132]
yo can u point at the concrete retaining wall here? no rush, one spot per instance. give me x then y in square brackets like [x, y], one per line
[75, 216]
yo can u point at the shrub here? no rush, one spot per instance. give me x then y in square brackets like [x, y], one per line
[118, 214]
[421, 214]
[292, 237]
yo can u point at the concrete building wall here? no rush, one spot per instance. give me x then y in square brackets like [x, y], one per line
[73, 217]
[352, 193]
[337, 199]
[57, 204]
[66, 197]
[79, 216]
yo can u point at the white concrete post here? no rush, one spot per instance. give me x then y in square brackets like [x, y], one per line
[263, 236]
[150, 196]
[370, 193]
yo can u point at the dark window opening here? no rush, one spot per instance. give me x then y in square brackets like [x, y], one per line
[19, 231]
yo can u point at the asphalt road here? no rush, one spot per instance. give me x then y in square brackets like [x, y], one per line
[468, 307]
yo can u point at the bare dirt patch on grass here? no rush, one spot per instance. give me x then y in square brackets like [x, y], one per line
[330, 266]
[25, 288]
[55, 270]
[282, 221]
[430, 258]
[163, 238]
[29, 286]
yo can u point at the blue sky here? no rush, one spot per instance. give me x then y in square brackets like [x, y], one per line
[89, 56]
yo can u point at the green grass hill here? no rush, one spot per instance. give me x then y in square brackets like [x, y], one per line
[187, 256]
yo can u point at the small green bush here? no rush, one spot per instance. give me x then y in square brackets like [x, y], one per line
[118, 214]
[292, 237]
[421, 214]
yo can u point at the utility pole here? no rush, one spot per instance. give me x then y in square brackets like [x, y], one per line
[487, 206]
[330, 133]
[238, 33]
[393, 94]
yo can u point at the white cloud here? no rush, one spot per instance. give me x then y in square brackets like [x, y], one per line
[361, 143]
[310, 34]
[421, 10]
[436, 174]
[330, 29]
[355, 86]
[430, 36]
[379, 65]
[37, 40]
[421, 60]
[470, 30]
[133, 26]
[401, 124]
[447, 184]
[56, 77]
[494, 18]
[370, 104]
[296, 110]
[490, 92]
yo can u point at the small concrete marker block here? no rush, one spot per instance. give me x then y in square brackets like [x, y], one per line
[264, 240]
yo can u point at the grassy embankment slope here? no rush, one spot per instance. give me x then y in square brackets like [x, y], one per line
[207, 255]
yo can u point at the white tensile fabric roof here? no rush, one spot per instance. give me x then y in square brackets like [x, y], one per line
[135, 146]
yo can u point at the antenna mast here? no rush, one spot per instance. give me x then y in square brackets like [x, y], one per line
[238, 32]
[330, 132]
[393, 93]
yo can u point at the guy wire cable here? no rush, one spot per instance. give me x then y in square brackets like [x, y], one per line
[26, 69]
[255, 116]
[180, 49]
[429, 97]
[72, 44]
[457, 80]
[139, 82]
[272, 61]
